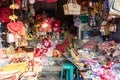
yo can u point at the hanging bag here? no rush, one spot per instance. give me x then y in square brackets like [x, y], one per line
[114, 7]
[31, 1]
[71, 8]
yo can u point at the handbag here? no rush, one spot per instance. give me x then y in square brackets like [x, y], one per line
[72, 8]
[31, 1]
[114, 7]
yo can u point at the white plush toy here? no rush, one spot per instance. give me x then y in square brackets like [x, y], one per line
[49, 52]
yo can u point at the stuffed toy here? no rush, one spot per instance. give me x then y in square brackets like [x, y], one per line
[56, 53]
[40, 52]
[46, 43]
[49, 52]
[56, 26]
[46, 25]
[5, 12]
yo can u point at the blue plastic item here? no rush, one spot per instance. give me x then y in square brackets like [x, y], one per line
[69, 67]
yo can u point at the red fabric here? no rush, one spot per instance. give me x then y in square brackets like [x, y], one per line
[5, 13]
[90, 44]
[18, 2]
[40, 0]
[15, 27]
[51, 0]
[56, 26]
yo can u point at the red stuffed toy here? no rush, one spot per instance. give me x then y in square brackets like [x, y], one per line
[5, 13]
[46, 43]
[40, 52]
[56, 26]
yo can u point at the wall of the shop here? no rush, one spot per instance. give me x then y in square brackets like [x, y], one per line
[50, 8]
[55, 8]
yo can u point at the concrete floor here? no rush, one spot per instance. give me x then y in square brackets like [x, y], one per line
[49, 76]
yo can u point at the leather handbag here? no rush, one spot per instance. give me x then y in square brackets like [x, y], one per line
[114, 7]
[72, 8]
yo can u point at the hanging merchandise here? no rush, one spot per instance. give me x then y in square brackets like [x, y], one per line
[40, 0]
[77, 21]
[10, 38]
[29, 36]
[56, 26]
[1, 30]
[46, 25]
[104, 28]
[16, 28]
[25, 5]
[115, 35]
[93, 21]
[114, 6]
[85, 31]
[32, 10]
[72, 8]
[84, 18]
[18, 2]
[51, 0]
[46, 43]
[105, 10]
[84, 10]
[96, 7]
[5, 13]
[31, 1]
[113, 27]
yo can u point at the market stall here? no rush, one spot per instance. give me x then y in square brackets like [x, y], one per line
[87, 36]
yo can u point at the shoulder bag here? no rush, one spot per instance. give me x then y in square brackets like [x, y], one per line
[71, 8]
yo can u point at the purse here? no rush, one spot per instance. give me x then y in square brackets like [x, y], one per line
[72, 8]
